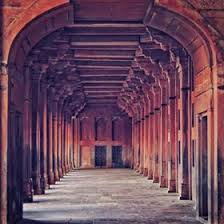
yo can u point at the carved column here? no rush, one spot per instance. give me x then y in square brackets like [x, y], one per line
[55, 138]
[69, 144]
[185, 130]
[43, 136]
[157, 136]
[151, 145]
[27, 140]
[36, 134]
[63, 145]
[132, 143]
[141, 167]
[60, 139]
[3, 141]
[76, 140]
[164, 135]
[150, 133]
[66, 142]
[145, 136]
[134, 123]
[173, 134]
[50, 172]
[137, 140]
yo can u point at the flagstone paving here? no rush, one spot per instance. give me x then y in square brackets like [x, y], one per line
[108, 196]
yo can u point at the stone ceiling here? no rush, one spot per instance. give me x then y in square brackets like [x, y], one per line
[94, 60]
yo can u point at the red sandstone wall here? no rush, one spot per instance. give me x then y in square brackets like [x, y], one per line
[103, 126]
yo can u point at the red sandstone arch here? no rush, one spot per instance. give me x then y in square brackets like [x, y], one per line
[176, 21]
[178, 24]
[34, 30]
[37, 10]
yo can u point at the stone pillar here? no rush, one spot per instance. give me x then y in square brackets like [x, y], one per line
[27, 141]
[50, 172]
[164, 135]
[145, 137]
[151, 145]
[43, 136]
[141, 167]
[137, 139]
[66, 143]
[150, 134]
[76, 140]
[3, 142]
[63, 145]
[157, 138]
[134, 141]
[173, 135]
[36, 134]
[185, 116]
[70, 143]
[60, 140]
[55, 139]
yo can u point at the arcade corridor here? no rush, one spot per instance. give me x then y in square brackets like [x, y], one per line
[135, 84]
[108, 196]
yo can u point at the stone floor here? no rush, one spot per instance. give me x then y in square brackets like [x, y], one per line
[108, 196]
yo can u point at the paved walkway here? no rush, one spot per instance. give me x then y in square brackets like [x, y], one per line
[108, 196]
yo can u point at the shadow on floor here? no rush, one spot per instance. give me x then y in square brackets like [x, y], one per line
[109, 221]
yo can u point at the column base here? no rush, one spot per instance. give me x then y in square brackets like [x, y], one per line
[51, 180]
[156, 180]
[28, 191]
[163, 182]
[172, 186]
[69, 167]
[46, 182]
[150, 175]
[63, 170]
[184, 194]
[42, 185]
[66, 168]
[145, 172]
[141, 170]
[56, 175]
[37, 185]
[60, 173]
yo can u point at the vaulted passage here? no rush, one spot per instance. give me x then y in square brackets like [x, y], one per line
[106, 84]
[117, 196]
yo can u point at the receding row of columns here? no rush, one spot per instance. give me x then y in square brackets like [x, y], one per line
[48, 138]
[162, 132]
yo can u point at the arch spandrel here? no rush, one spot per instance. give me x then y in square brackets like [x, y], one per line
[40, 22]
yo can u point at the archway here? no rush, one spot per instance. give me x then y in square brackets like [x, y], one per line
[161, 69]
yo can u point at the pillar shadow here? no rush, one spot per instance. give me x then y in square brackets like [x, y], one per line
[111, 221]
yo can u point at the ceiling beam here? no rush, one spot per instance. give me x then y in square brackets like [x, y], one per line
[103, 78]
[105, 62]
[102, 82]
[103, 85]
[109, 67]
[102, 88]
[105, 29]
[103, 71]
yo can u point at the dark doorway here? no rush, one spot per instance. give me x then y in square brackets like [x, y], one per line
[203, 167]
[117, 161]
[100, 156]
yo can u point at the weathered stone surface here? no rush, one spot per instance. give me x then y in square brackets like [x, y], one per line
[108, 196]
